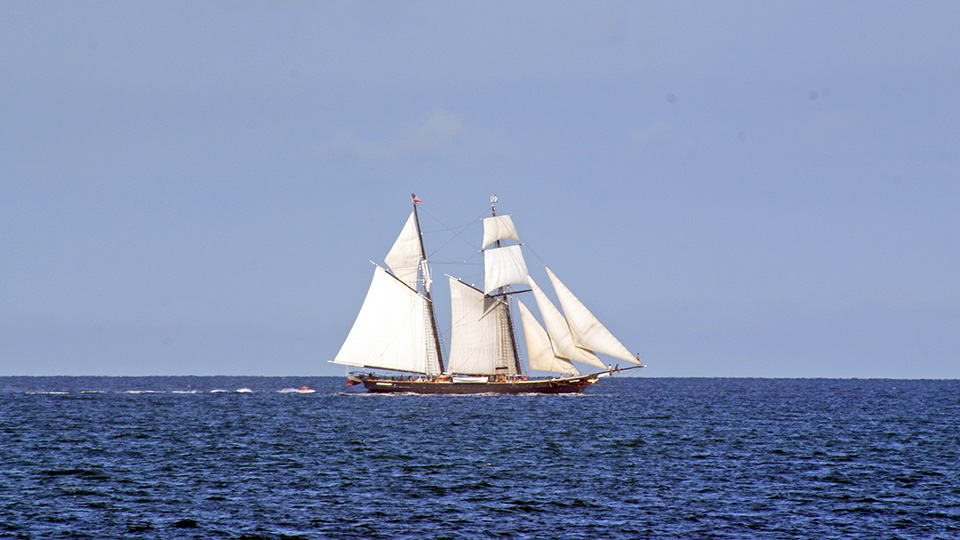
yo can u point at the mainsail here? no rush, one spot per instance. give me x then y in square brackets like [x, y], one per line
[480, 340]
[392, 330]
[396, 328]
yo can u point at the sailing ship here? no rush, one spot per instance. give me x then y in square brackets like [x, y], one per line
[396, 329]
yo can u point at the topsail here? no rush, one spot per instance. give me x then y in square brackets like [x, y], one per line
[404, 257]
[503, 266]
[496, 228]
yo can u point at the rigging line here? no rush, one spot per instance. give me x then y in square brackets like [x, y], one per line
[456, 235]
[472, 260]
[457, 230]
[455, 261]
[470, 279]
[533, 252]
[475, 260]
[446, 228]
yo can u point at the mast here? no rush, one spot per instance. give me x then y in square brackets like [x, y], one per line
[431, 315]
[511, 331]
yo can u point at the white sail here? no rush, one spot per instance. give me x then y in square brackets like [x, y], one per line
[588, 331]
[497, 228]
[503, 266]
[564, 344]
[477, 342]
[391, 331]
[404, 257]
[539, 349]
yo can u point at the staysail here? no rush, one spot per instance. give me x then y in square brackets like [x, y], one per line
[392, 330]
[480, 343]
[540, 351]
[564, 343]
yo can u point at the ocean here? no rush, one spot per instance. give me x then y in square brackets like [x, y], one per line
[633, 457]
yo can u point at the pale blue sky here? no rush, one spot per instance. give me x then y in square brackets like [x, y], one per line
[735, 188]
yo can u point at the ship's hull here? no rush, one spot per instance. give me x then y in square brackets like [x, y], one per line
[566, 385]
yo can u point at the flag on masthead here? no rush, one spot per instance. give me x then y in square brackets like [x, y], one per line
[416, 200]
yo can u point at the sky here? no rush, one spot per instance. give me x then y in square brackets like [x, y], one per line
[736, 189]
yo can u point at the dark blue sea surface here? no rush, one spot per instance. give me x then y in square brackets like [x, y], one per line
[167, 457]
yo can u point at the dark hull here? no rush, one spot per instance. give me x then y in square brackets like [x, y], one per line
[566, 385]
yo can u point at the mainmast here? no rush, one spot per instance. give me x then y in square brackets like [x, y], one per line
[511, 333]
[431, 315]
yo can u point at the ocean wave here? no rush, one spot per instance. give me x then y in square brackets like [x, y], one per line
[297, 391]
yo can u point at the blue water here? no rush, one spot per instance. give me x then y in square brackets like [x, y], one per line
[631, 458]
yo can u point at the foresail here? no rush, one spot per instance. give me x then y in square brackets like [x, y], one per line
[391, 330]
[503, 266]
[404, 257]
[564, 344]
[588, 331]
[539, 349]
[478, 345]
[496, 228]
